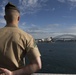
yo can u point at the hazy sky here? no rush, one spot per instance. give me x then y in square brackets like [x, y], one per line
[44, 18]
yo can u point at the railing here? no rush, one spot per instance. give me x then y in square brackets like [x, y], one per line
[50, 74]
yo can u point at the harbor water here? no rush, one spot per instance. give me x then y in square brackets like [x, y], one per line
[58, 57]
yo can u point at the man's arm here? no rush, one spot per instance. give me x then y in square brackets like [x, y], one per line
[34, 66]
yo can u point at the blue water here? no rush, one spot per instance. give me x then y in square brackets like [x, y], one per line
[58, 57]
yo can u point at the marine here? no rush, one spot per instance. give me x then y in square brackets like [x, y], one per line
[15, 45]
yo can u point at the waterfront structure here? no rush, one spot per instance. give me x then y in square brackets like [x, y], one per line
[44, 40]
[60, 38]
[64, 38]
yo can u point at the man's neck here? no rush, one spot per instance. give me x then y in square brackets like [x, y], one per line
[12, 24]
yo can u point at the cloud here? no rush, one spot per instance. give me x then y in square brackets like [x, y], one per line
[72, 3]
[2, 4]
[68, 1]
[2, 21]
[2, 12]
[72, 29]
[46, 31]
[31, 6]
[62, 1]
[53, 25]
[42, 32]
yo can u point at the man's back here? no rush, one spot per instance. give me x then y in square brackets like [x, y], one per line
[11, 47]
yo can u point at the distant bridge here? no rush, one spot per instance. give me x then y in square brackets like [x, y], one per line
[65, 37]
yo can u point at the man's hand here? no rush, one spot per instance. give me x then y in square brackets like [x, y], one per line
[5, 71]
[32, 67]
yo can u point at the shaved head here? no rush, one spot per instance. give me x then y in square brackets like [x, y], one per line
[11, 15]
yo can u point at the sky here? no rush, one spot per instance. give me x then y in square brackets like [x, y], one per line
[44, 18]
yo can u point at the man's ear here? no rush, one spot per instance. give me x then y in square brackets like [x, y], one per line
[4, 17]
[18, 18]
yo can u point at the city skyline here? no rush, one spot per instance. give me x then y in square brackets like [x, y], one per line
[44, 18]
